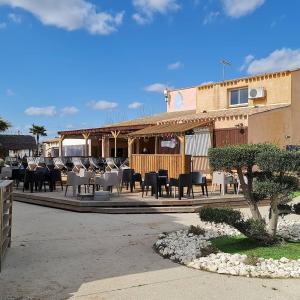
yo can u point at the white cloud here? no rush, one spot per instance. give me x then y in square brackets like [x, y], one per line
[156, 88]
[176, 65]
[211, 17]
[9, 92]
[3, 25]
[102, 105]
[70, 14]
[15, 18]
[135, 105]
[146, 9]
[48, 111]
[247, 61]
[278, 60]
[69, 110]
[240, 8]
[140, 19]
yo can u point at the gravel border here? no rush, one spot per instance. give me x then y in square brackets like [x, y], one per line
[190, 250]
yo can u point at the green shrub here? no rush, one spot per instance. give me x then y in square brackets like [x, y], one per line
[296, 208]
[251, 260]
[210, 249]
[196, 230]
[220, 215]
[252, 228]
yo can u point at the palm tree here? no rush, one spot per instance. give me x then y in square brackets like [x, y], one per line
[4, 125]
[38, 131]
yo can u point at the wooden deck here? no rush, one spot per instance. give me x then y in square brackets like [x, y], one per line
[129, 203]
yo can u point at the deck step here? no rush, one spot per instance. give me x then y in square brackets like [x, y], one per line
[130, 206]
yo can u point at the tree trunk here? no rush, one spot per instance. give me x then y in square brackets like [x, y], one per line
[254, 210]
[273, 218]
[37, 143]
[247, 190]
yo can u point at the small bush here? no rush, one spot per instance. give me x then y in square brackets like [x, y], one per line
[224, 215]
[255, 230]
[196, 230]
[297, 208]
[252, 228]
[251, 260]
[210, 249]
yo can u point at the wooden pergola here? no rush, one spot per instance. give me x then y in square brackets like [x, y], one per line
[103, 133]
[175, 163]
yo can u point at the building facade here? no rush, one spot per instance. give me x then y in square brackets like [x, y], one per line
[255, 109]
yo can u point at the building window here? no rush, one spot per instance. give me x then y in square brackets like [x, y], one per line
[238, 97]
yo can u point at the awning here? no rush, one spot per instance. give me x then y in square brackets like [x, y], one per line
[169, 129]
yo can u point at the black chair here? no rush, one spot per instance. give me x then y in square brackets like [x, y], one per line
[29, 180]
[55, 175]
[199, 180]
[162, 181]
[184, 180]
[150, 180]
[19, 176]
[41, 178]
[129, 178]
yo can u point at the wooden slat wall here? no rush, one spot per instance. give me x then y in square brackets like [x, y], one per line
[143, 163]
[230, 136]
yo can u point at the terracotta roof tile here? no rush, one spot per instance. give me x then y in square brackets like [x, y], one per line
[211, 115]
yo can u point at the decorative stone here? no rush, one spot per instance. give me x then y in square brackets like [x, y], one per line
[186, 248]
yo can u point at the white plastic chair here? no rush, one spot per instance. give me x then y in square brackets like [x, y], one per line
[75, 181]
[239, 183]
[111, 164]
[6, 172]
[220, 178]
[112, 179]
[58, 163]
[93, 163]
[32, 163]
[78, 163]
[125, 164]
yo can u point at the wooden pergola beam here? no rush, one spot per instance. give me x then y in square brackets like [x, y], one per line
[60, 145]
[115, 135]
[182, 152]
[86, 138]
[130, 143]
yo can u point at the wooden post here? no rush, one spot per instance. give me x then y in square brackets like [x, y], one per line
[115, 134]
[182, 151]
[60, 145]
[156, 145]
[105, 146]
[138, 146]
[130, 143]
[86, 139]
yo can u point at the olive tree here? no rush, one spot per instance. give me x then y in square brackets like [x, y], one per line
[271, 174]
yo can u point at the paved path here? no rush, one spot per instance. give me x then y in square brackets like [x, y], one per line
[60, 255]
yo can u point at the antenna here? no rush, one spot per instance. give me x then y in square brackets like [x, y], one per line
[224, 64]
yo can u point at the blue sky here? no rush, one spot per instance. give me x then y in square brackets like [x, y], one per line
[82, 63]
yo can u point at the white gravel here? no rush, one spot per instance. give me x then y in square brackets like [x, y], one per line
[189, 249]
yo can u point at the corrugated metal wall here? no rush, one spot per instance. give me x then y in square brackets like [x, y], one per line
[198, 143]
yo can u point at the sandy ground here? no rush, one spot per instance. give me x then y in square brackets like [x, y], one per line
[59, 254]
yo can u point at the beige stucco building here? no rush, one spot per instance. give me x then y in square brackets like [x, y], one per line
[266, 107]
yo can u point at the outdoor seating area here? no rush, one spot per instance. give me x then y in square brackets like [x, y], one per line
[36, 174]
[110, 185]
